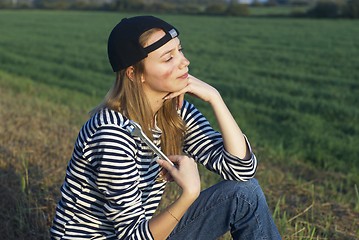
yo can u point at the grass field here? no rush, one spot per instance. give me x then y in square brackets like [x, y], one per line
[292, 85]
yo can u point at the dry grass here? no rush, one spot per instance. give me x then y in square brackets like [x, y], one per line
[36, 141]
[306, 206]
[36, 138]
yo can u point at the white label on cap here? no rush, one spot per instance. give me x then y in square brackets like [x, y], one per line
[173, 33]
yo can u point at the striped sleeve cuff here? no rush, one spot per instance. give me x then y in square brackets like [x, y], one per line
[143, 231]
[241, 169]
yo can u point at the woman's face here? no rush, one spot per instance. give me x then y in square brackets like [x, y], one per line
[165, 69]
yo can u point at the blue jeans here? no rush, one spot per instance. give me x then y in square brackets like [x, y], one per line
[238, 207]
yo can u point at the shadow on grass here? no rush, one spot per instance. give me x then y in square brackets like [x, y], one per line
[23, 215]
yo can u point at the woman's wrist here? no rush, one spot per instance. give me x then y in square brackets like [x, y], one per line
[189, 196]
[216, 100]
[215, 96]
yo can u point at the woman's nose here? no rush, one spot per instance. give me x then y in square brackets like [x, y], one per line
[184, 62]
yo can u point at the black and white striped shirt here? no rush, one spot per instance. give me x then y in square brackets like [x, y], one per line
[110, 189]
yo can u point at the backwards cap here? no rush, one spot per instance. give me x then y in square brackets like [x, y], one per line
[124, 48]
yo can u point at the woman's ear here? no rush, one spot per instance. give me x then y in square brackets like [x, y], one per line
[130, 73]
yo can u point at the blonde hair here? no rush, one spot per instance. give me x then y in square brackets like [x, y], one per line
[127, 97]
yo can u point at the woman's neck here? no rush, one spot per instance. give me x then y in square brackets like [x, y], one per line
[156, 102]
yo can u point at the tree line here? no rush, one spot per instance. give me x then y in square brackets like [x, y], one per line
[315, 9]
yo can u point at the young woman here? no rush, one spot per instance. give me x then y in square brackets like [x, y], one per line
[114, 181]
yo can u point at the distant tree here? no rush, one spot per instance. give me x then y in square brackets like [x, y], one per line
[162, 7]
[237, 9]
[87, 4]
[129, 5]
[283, 2]
[53, 4]
[190, 8]
[216, 9]
[121, 5]
[299, 3]
[38, 3]
[6, 4]
[271, 3]
[325, 9]
[257, 3]
[352, 9]
[21, 3]
[136, 5]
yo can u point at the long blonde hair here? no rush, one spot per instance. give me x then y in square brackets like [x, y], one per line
[127, 97]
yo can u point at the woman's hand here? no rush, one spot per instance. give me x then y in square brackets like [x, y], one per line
[234, 141]
[196, 88]
[184, 173]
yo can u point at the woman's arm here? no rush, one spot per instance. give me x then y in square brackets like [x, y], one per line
[185, 174]
[233, 139]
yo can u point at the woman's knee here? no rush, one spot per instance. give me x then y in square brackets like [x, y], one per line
[248, 190]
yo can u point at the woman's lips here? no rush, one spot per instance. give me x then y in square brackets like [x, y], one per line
[184, 76]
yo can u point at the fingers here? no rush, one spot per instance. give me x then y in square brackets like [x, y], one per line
[176, 158]
[195, 87]
[164, 175]
[166, 165]
[180, 93]
[176, 94]
[185, 174]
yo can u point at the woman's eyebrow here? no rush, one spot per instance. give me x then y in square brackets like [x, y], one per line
[167, 52]
[179, 46]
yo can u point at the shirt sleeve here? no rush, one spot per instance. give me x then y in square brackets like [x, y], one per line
[205, 145]
[111, 153]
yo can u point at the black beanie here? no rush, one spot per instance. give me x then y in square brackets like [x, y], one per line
[123, 46]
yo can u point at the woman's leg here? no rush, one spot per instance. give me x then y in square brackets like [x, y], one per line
[239, 207]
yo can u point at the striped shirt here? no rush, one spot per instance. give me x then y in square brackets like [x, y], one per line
[110, 189]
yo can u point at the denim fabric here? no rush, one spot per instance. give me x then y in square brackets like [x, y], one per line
[238, 207]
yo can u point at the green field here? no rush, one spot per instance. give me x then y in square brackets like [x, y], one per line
[292, 85]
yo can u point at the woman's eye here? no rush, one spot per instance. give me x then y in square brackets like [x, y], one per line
[169, 59]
